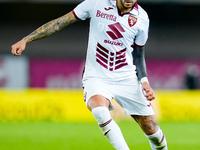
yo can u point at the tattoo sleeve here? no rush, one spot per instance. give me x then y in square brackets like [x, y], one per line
[51, 27]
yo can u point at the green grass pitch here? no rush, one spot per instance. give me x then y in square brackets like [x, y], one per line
[87, 136]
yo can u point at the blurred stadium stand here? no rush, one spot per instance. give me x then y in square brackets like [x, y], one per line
[174, 29]
[75, 1]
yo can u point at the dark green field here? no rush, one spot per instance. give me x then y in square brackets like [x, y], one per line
[87, 136]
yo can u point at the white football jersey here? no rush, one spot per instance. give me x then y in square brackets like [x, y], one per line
[111, 38]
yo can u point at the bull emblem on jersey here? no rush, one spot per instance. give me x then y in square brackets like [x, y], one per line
[132, 20]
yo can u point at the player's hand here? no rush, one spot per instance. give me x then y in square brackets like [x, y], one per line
[18, 48]
[148, 91]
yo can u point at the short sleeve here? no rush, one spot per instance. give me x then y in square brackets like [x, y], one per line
[85, 9]
[142, 35]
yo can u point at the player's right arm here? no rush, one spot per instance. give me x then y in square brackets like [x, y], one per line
[44, 31]
[139, 61]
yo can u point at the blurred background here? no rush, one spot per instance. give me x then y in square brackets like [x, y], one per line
[44, 84]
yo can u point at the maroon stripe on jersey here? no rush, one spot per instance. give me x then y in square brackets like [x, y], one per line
[121, 65]
[102, 53]
[136, 6]
[112, 54]
[118, 26]
[120, 61]
[112, 35]
[120, 52]
[105, 124]
[75, 15]
[116, 32]
[111, 58]
[101, 63]
[102, 48]
[121, 56]
[101, 58]
[116, 29]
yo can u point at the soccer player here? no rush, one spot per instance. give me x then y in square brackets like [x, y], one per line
[115, 65]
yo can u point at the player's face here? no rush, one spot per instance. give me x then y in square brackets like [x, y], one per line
[126, 4]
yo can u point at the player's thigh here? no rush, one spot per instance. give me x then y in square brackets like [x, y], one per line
[97, 101]
[147, 123]
[130, 97]
[97, 93]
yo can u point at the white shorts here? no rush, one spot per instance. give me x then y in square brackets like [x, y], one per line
[127, 93]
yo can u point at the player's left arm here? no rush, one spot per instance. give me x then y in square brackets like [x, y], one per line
[140, 63]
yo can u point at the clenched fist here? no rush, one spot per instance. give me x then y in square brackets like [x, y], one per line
[18, 47]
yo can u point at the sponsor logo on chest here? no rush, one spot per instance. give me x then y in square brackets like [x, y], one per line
[132, 20]
[106, 16]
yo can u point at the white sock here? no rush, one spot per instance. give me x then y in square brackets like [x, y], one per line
[157, 140]
[109, 128]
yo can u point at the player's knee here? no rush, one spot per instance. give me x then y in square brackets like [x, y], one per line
[97, 101]
[101, 114]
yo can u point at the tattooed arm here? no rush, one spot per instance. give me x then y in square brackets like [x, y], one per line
[44, 31]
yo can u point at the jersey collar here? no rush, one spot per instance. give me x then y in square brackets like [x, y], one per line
[134, 11]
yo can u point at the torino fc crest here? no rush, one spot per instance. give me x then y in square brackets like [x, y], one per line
[132, 20]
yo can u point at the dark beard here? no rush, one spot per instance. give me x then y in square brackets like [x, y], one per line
[125, 6]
